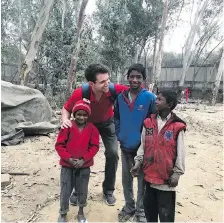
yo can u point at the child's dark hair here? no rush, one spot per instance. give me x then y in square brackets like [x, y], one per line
[137, 67]
[93, 69]
[171, 96]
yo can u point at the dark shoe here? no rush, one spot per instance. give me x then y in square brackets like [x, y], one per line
[62, 218]
[124, 216]
[109, 199]
[73, 199]
[139, 219]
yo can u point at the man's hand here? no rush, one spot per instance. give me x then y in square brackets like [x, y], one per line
[173, 180]
[66, 123]
[135, 169]
[79, 163]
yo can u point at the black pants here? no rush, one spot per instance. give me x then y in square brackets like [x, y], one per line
[159, 203]
[107, 132]
[77, 178]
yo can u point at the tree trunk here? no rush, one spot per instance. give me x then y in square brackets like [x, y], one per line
[20, 39]
[218, 79]
[189, 53]
[63, 14]
[159, 55]
[35, 39]
[196, 73]
[154, 58]
[137, 52]
[119, 76]
[214, 70]
[75, 54]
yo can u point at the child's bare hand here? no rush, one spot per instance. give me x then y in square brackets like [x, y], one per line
[135, 169]
[79, 163]
[173, 181]
[72, 161]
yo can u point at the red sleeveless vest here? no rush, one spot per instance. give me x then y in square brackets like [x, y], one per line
[161, 149]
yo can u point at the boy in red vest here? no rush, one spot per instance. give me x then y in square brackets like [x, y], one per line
[76, 146]
[163, 156]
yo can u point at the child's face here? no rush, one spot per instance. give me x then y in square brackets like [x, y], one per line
[135, 79]
[161, 103]
[81, 117]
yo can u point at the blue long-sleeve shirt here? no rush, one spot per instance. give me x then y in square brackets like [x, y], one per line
[129, 117]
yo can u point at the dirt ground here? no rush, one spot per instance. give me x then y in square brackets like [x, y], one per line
[35, 198]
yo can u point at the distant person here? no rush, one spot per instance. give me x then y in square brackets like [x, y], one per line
[131, 108]
[164, 158]
[186, 94]
[76, 146]
[101, 94]
[150, 87]
[182, 99]
[155, 89]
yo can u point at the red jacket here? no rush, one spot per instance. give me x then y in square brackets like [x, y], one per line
[72, 143]
[161, 149]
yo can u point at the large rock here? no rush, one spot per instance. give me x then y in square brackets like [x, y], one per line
[24, 111]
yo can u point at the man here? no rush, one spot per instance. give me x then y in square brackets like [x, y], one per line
[97, 76]
[132, 107]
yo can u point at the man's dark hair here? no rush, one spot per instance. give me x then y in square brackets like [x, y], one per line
[93, 69]
[137, 67]
[170, 96]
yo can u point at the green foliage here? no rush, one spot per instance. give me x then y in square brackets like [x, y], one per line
[125, 25]
[112, 35]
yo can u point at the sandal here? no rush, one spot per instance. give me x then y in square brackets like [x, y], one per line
[139, 219]
[81, 219]
[124, 216]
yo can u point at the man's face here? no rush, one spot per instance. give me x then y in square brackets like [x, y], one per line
[135, 79]
[161, 103]
[102, 83]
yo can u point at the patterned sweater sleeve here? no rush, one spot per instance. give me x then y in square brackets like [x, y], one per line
[141, 149]
[179, 166]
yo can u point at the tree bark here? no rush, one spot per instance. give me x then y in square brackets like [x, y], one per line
[218, 79]
[196, 73]
[154, 58]
[189, 53]
[20, 38]
[75, 54]
[63, 14]
[159, 55]
[35, 39]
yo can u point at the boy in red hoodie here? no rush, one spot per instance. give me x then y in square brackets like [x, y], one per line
[76, 146]
[163, 156]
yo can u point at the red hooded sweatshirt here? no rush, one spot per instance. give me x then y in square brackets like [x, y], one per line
[73, 143]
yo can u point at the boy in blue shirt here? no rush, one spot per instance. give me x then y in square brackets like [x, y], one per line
[131, 108]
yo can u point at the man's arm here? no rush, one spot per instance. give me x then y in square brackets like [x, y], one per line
[117, 118]
[119, 88]
[65, 117]
[67, 109]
